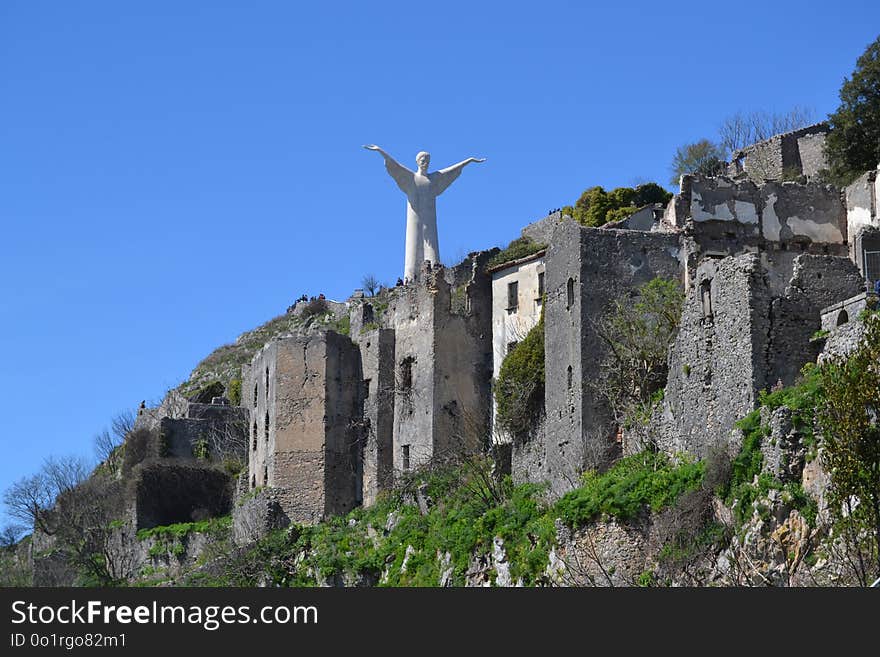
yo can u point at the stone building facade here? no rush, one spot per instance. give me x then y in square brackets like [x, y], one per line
[760, 261]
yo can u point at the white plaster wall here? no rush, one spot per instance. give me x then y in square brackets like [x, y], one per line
[772, 227]
[877, 186]
[817, 231]
[744, 212]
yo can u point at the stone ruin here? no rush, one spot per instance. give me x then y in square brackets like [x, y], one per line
[331, 421]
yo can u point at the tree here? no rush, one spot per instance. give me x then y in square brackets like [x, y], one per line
[30, 499]
[84, 533]
[595, 207]
[591, 207]
[638, 334]
[10, 535]
[649, 193]
[853, 145]
[850, 424]
[745, 128]
[122, 424]
[371, 284]
[702, 157]
[106, 443]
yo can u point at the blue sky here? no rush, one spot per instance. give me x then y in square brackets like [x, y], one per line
[173, 174]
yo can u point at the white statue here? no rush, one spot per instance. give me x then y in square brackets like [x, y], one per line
[421, 189]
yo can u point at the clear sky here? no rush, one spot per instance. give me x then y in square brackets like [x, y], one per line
[175, 173]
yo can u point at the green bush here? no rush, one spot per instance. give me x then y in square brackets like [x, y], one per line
[469, 509]
[595, 207]
[747, 482]
[234, 392]
[634, 484]
[519, 389]
[343, 325]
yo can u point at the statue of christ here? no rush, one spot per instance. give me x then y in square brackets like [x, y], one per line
[421, 189]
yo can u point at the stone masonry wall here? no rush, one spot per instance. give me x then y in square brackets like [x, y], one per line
[713, 373]
[463, 362]
[586, 270]
[442, 362]
[737, 338]
[862, 217]
[817, 282]
[542, 230]
[799, 152]
[257, 514]
[410, 314]
[811, 149]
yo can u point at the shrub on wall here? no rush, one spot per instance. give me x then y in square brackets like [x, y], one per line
[596, 207]
[234, 392]
[521, 247]
[519, 389]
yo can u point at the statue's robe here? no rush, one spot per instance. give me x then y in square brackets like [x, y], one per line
[421, 212]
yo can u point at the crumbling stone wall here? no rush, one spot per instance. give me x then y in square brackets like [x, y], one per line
[644, 218]
[343, 417]
[528, 458]
[737, 337]
[442, 362]
[811, 149]
[183, 429]
[306, 398]
[848, 310]
[586, 269]
[816, 282]
[719, 217]
[174, 405]
[777, 211]
[715, 363]
[541, 231]
[795, 153]
[863, 224]
[791, 212]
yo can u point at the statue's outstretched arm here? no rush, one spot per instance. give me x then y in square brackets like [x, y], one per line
[461, 165]
[402, 176]
[445, 177]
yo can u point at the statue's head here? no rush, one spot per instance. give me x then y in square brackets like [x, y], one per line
[423, 159]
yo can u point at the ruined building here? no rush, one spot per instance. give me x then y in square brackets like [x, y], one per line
[335, 417]
[328, 421]
[333, 420]
[786, 156]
